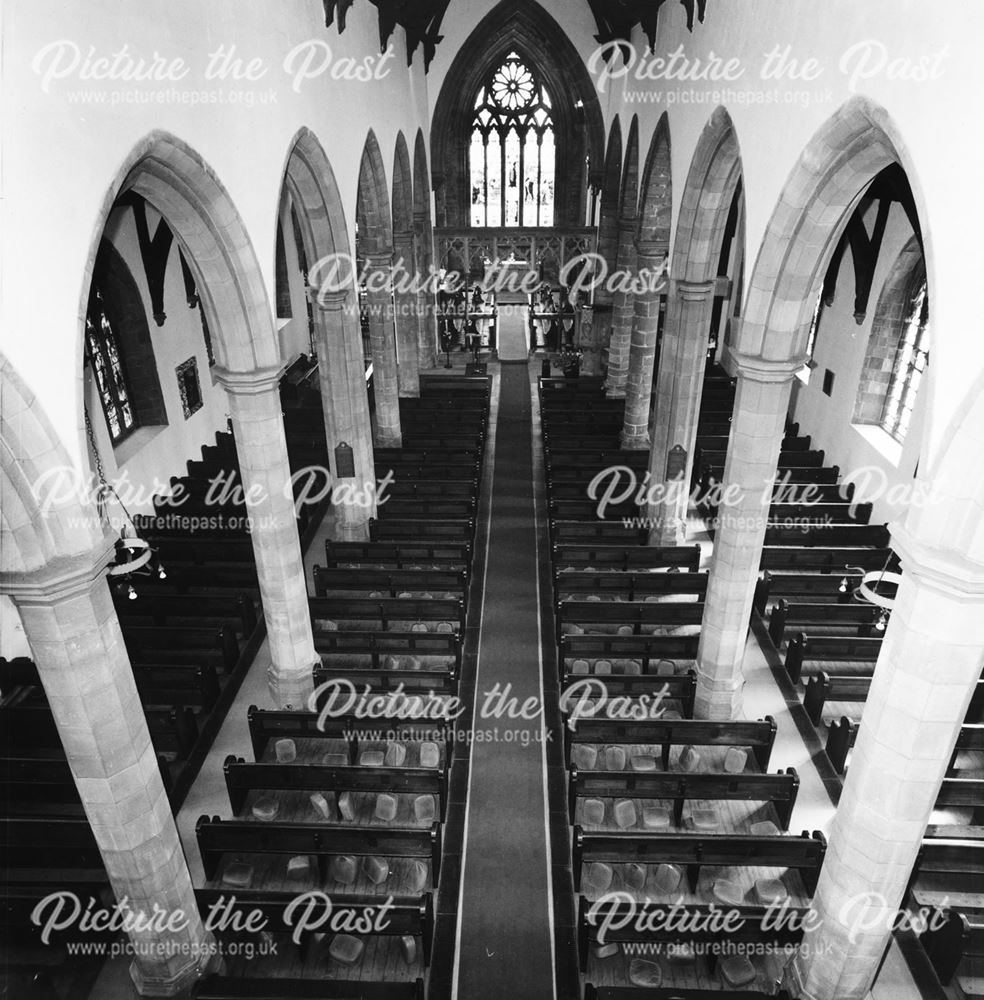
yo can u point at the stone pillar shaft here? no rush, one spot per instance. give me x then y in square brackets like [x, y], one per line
[382, 338]
[407, 322]
[343, 395]
[623, 312]
[75, 639]
[642, 354]
[588, 342]
[257, 420]
[761, 401]
[682, 360]
[426, 305]
[929, 665]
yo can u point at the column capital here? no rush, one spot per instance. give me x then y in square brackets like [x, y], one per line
[692, 291]
[330, 301]
[379, 261]
[60, 578]
[652, 249]
[757, 369]
[252, 383]
[942, 569]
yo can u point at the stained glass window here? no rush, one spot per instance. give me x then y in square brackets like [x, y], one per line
[107, 366]
[910, 364]
[511, 157]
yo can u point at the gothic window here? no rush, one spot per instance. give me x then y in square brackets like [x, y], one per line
[107, 365]
[910, 364]
[512, 149]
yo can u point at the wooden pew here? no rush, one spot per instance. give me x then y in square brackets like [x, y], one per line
[161, 643]
[218, 837]
[842, 735]
[446, 530]
[426, 508]
[400, 555]
[346, 650]
[780, 789]
[49, 849]
[242, 778]
[680, 688]
[811, 587]
[823, 687]
[381, 611]
[404, 916]
[625, 557]
[805, 852]
[669, 614]
[605, 532]
[274, 724]
[393, 581]
[829, 649]
[854, 619]
[172, 729]
[628, 586]
[749, 926]
[758, 736]
[835, 559]
[214, 609]
[834, 535]
[952, 939]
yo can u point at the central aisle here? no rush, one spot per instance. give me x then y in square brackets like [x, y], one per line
[504, 920]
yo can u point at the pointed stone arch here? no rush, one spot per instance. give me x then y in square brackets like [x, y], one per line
[404, 262]
[177, 182]
[623, 301]
[374, 250]
[526, 27]
[423, 227]
[611, 187]
[309, 182]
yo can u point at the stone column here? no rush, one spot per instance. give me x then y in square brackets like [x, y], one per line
[386, 390]
[649, 262]
[426, 303]
[682, 360]
[341, 370]
[761, 401]
[258, 425]
[587, 341]
[75, 638]
[623, 312]
[407, 323]
[928, 668]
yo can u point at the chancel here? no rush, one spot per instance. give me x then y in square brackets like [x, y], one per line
[491, 501]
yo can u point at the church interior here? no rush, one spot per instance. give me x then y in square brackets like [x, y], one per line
[485, 523]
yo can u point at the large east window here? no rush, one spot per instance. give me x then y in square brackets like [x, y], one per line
[512, 149]
[910, 364]
[107, 366]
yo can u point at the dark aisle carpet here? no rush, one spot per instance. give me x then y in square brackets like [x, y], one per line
[505, 916]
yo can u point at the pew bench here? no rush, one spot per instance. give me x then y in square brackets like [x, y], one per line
[390, 582]
[824, 688]
[805, 853]
[621, 557]
[390, 529]
[627, 586]
[243, 780]
[759, 737]
[399, 555]
[386, 612]
[636, 618]
[222, 840]
[804, 650]
[779, 790]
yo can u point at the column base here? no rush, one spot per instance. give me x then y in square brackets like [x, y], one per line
[351, 531]
[180, 982]
[668, 533]
[389, 439]
[635, 442]
[291, 689]
[615, 392]
[718, 700]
